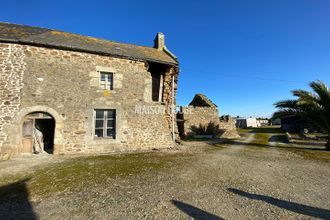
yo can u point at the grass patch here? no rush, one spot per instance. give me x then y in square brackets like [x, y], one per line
[261, 138]
[244, 130]
[75, 174]
[282, 138]
[317, 155]
[267, 129]
[197, 139]
[263, 135]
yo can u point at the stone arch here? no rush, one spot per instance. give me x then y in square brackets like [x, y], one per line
[58, 136]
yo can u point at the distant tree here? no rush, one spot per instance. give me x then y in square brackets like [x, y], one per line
[312, 106]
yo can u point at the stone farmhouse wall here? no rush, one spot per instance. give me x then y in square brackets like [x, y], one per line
[12, 68]
[200, 115]
[66, 85]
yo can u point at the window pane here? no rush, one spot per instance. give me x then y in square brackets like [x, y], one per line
[102, 76]
[110, 80]
[99, 113]
[105, 123]
[111, 133]
[111, 114]
[109, 75]
[99, 132]
[99, 123]
[106, 80]
[111, 124]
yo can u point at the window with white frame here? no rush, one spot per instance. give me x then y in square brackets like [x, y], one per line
[105, 123]
[106, 80]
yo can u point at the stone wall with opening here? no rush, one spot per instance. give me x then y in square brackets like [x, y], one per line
[68, 83]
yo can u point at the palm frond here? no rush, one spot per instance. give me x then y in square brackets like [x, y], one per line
[289, 103]
[305, 96]
[322, 91]
[314, 107]
[285, 113]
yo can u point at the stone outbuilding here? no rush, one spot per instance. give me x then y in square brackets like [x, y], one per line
[201, 111]
[67, 93]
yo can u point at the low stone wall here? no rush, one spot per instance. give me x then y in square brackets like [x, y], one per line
[230, 129]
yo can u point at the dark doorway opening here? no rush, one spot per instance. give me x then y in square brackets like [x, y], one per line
[47, 128]
[38, 133]
[157, 78]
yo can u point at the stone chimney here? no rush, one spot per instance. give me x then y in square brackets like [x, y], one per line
[159, 42]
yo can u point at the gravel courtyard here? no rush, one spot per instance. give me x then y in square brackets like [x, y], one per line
[236, 180]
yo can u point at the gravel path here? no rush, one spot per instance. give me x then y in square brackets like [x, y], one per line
[213, 182]
[249, 138]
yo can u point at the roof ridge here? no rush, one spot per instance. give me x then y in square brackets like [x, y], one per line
[202, 100]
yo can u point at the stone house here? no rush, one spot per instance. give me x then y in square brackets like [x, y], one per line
[82, 93]
[202, 111]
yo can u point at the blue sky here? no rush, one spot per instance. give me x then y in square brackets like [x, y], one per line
[243, 54]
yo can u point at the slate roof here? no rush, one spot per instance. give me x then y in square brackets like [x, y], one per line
[202, 101]
[21, 34]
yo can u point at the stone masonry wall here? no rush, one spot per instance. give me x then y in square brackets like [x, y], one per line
[195, 115]
[167, 98]
[230, 129]
[67, 83]
[12, 67]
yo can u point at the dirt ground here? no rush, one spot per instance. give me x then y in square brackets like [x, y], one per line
[243, 179]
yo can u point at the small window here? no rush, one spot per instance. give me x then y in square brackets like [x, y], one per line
[105, 123]
[106, 80]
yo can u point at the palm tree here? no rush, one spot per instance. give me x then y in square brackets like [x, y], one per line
[312, 106]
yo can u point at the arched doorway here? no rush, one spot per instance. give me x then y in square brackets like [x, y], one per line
[38, 132]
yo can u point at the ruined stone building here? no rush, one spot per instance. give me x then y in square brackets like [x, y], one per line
[200, 112]
[82, 93]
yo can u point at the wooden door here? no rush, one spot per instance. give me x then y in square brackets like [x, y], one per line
[27, 142]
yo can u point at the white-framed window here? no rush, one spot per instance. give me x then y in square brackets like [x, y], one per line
[106, 80]
[105, 123]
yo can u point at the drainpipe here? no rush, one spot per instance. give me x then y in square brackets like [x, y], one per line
[173, 110]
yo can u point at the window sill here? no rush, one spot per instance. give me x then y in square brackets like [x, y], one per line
[106, 90]
[104, 138]
[101, 141]
[157, 102]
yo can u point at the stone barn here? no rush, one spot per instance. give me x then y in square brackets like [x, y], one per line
[202, 111]
[66, 93]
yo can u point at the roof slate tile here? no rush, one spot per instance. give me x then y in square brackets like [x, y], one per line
[14, 33]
